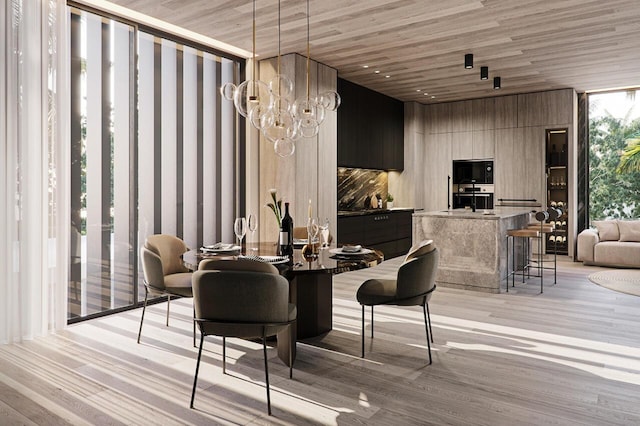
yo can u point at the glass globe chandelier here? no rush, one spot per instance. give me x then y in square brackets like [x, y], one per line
[271, 107]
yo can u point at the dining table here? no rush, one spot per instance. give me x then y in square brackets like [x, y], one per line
[310, 281]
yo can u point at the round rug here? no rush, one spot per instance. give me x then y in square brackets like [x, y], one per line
[622, 280]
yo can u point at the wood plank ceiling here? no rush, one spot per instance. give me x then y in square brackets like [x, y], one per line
[532, 45]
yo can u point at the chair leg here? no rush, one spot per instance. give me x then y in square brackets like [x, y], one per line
[194, 327]
[168, 303]
[224, 355]
[362, 356]
[426, 327]
[144, 308]
[290, 353]
[266, 368]
[429, 318]
[372, 321]
[195, 379]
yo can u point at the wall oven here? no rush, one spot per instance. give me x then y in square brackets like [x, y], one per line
[467, 171]
[465, 194]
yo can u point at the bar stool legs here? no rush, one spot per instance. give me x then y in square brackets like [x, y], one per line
[525, 234]
[535, 232]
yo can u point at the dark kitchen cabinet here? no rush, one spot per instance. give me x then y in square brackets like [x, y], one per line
[387, 231]
[370, 129]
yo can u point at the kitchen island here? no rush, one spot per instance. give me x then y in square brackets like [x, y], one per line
[473, 245]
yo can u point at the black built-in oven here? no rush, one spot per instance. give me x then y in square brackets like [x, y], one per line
[467, 171]
[483, 200]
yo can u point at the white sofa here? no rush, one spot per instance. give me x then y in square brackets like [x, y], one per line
[611, 243]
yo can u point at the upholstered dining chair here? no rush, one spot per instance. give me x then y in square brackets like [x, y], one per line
[413, 286]
[164, 273]
[240, 264]
[245, 304]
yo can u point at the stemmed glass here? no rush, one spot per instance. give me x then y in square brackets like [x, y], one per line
[252, 223]
[312, 231]
[240, 228]
[324, 233]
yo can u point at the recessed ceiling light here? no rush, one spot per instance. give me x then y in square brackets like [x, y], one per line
[387, 76]
[365, 66]
[377, 71]
[418, 90]
[433, 97]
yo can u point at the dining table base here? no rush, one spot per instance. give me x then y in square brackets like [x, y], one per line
[313, 296]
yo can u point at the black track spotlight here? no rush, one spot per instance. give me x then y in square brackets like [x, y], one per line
[484, 73]
[468, 61]
[496, 83]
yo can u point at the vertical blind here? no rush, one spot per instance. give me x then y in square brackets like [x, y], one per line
[153, 151]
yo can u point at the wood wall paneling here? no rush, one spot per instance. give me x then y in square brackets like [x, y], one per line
[505, 112]
[461, 145]
[461, 116]
[507, 171]
[327, 151]
[311, 172]
[483, 143]
[545, 108]
[438, 159]
[483, 113]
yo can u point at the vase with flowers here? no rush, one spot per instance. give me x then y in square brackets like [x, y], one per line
[276, 207]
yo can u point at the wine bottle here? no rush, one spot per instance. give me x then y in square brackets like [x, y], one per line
[285, 245]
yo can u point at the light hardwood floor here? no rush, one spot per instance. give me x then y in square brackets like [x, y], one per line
[568, 356]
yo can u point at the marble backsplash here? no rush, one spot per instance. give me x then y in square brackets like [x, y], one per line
[355, 186]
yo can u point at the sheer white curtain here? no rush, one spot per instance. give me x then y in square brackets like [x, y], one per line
[34, 168]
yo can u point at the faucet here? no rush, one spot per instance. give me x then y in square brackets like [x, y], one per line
[473, 196]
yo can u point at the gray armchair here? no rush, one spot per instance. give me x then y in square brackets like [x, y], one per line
[245, 304]
[413, 287]
[164, 273]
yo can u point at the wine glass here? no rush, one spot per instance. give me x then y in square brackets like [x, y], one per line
[252, 224]
[312, 231]
[324, 233]
[240, 228]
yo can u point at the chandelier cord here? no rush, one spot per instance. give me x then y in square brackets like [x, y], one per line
[279, 86]
[308, 50]
[253, 77]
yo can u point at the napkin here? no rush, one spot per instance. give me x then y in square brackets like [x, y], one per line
[351, 249]
[220, 246]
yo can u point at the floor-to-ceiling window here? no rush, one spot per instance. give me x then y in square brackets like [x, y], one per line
[153, 150]
[614, 155]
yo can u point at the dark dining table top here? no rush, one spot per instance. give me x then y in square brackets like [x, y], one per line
[325, 262]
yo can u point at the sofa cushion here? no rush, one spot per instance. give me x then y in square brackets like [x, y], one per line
[607, 230]
[629, 230]
[617, 253]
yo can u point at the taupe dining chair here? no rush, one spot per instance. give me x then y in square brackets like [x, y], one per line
[245, 304]
[241, 264]
[164, 273]
[413, 286]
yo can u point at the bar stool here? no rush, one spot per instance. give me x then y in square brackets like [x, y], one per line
[526, 234]
[546, 229]
[538, 231]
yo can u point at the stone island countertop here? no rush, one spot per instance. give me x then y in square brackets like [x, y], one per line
[473, 245]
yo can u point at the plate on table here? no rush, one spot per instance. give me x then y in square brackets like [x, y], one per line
[220, 248]
[274, 260]
[342, 252]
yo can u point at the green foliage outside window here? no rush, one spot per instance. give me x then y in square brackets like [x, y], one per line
[614, 168]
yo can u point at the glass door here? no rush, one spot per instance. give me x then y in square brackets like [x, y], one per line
[557, 188]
